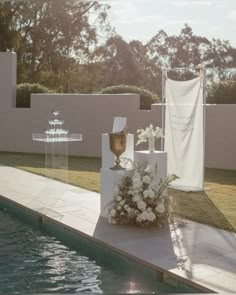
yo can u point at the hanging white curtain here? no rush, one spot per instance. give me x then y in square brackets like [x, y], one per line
[184, 133]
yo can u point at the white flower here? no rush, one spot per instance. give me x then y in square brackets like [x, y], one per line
[149, 169]
[141, 205]
[146, 193]
[150, 131]
[144, 215]
[158, 132]
[136, 198]
[136, 180]
[111, 220]
[118, 198]
[137, 184]
[151, 216]
[113, 212]
[139, 218]
[146, 179]
[126, 206]
[149, 193]
[160, 208]
[122, 203]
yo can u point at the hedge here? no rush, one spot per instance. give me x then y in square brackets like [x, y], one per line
[223, 92]
[24, 91]
[146, 97]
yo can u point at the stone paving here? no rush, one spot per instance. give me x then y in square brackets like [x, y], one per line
[202, 254]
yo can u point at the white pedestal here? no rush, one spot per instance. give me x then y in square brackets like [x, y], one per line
[153, 158]
[109, 179]
[108, 158]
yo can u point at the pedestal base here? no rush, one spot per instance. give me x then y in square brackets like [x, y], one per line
[109, 179]
[56, 160]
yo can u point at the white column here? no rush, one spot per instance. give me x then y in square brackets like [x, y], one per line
[158, 158]
[109, 179]
[8, 79]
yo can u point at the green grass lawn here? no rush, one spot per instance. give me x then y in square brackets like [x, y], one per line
[216, 206]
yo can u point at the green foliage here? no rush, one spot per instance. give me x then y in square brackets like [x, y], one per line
[8, 34]
[51, 37]
[70, 45]
[24, 91]
[146, 97]
[223, 92]
[189, 50]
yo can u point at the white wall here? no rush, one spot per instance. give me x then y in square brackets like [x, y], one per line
[7, 79]
[93, 115]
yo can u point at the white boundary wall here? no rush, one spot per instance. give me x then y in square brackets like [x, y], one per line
[93, 115]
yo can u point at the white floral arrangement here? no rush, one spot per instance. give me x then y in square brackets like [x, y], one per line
[140, 199]
[150, 132]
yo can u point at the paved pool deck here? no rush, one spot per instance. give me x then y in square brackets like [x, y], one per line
[201, 254]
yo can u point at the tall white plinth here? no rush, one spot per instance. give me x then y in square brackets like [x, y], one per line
[109, 179]
[153, 158]
[108, 158]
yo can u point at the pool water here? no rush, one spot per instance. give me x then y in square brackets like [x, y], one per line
[32, 261]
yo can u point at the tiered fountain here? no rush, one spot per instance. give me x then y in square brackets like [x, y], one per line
[56, 147]
[55, 133]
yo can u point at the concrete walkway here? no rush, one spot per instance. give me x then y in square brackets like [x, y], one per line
[199, 253]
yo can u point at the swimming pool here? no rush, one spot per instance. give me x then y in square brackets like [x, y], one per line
[33, 261]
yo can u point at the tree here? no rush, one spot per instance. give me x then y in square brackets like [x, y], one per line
[8, 34]
[54, 36]
[121, 63]
[178, 51]
[189, 50]
[125, 63]
[151, 72]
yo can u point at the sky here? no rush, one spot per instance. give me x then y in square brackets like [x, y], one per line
[142, 19]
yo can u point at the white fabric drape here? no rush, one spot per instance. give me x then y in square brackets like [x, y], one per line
[184, 133]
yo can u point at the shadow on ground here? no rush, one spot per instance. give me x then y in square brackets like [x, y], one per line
[199, 207]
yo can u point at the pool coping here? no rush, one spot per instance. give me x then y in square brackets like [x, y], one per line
[209, 252]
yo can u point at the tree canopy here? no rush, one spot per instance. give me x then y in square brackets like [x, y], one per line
[51, 37]
[69, 45]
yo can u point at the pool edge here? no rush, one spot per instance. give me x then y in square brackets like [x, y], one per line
[161, 274]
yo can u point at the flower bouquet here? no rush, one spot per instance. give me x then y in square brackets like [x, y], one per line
[141, 199]
[149, 134]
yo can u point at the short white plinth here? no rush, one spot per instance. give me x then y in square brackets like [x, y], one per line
[153, 158]
[109, 179]
[108, 158]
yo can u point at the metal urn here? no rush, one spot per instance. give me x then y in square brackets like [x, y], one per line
[117, 146]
